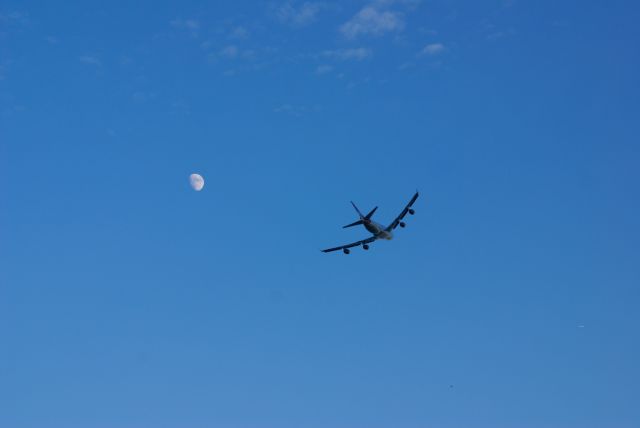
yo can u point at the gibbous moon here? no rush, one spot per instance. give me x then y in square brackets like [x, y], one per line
[196, 181]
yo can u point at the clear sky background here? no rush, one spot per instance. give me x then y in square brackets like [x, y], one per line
[129, 300]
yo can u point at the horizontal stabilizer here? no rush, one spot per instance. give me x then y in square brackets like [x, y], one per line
[356, 223]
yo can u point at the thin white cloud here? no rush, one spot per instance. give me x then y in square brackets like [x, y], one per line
[234, 35]
[324, 69]
[354, 54]
[230, 51]
[139, 97]
[433, 49]
[249, 54]
[4, 67]
[298, 15]
[239, 32]
[91, 60]
[493, 36]
[51, 40]
[15, 17]
[405, 66]
[374, 19]
[296, 110]
[191, 25]
[289, 109]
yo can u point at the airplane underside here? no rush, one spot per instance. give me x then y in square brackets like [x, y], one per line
[376, 229]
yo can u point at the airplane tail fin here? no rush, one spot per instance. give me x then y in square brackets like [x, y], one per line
[355, 223]
[357, 210]
[368, 216]
[363, 218]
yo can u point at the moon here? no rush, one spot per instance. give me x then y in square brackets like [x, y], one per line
[196, 181]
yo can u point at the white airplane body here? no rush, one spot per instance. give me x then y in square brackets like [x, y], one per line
[376, 229]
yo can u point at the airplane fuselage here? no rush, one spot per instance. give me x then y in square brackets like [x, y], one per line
[377, 230]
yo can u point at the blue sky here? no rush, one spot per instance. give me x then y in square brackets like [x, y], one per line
[129, 300]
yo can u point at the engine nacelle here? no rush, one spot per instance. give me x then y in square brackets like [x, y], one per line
[365, 246]
[346, 250]
[412, 211]
[402, 224]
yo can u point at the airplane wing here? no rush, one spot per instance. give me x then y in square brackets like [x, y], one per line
[354, 244]
[404, 212]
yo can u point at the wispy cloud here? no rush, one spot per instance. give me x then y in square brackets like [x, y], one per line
[230, 51]
[5, 65]
[296, 111]
[499, 34]
[289, 109]
[141, 97]
[15, 17]
[226, 34]
[405, 66]
[374, 19]
[433, 49]
[298, 15]
[239, 32]
[354, 54]
[190, 25]
[91, 60]
[51, 40]
[324, 69]
[180, 107]
[125, 60]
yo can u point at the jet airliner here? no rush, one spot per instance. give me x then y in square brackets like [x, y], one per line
[376, 229]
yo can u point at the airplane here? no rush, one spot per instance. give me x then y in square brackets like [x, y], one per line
[376, 229]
